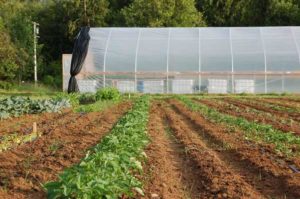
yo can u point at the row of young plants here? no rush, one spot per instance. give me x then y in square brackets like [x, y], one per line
[108, 169]
[273, 106]
[285, 143]
[255, 112]
[15, 106]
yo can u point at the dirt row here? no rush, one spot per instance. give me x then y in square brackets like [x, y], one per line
[251, 166]
[23, 124]
[24, 169]
[262, 107]
[169, 173]
[290, 105]
[289, 99]
[180, 165]
[239, 110]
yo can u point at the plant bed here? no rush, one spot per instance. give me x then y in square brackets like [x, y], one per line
[107, 171]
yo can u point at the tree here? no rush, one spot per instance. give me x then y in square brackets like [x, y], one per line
[8, 66]
[84, 13]
[162, 13]
[283, 13]
[115, 17]
[17, 16]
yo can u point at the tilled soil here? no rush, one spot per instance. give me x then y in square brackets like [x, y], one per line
[279, 102]
[169, 172]
[219, 180]
[228, 108]
[180, 165]
[294, 100]
[24, 123]
[256, 167]
[261, 107]
[63, 143]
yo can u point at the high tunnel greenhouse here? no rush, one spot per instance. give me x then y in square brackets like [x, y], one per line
[190, 60]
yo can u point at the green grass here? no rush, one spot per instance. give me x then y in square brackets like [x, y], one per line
[29, 89]
[285, 143]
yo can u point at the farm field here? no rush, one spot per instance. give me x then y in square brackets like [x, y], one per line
[173, 146]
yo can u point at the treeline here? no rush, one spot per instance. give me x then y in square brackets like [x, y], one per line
[60, 21]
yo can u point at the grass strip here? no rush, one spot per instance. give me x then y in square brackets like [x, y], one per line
[285, 143]
[108, 169]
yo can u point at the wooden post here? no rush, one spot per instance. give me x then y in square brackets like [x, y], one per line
[34, 127]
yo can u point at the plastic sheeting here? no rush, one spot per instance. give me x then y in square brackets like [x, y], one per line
[80, 51]
[269, 56]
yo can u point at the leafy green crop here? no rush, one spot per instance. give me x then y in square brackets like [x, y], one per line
[108, 93]
[16, 106]
[285, 143]
[108, 169]
[274, 106]
[72, 97]
[87, 98]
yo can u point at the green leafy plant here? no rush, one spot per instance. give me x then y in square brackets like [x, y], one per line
[108, 169]
[15, 106]
[72, 97]
[87, 98]
[109, 93]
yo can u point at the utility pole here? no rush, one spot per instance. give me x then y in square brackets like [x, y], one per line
[35, 37]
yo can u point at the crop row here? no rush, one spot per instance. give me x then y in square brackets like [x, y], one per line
[16, 106]
[108, 169]
[254, 112]
[285, 143]
[274, 106]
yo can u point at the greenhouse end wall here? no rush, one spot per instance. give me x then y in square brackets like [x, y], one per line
[191, 60]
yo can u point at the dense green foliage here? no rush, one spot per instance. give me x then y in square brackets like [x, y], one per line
[107, 171]
[87, 98]
[16, 106]
[286, 143]
[60, 20]
[162, 13]
[73, 98]
[108, 93]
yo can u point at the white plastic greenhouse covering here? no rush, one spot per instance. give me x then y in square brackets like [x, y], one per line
[120, 57]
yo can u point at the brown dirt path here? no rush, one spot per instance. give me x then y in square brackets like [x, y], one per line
[231, 109]
[169, 172]
[259, 165]
[63, 144]
[261, 107]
